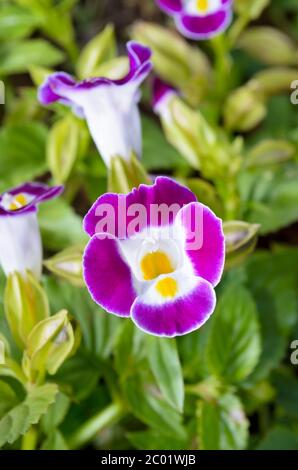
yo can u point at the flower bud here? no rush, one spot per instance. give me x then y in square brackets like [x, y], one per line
[240, 239]
[113, 69]
[67, 141]
[48, 345]
[274, 81]
[175, 61]
[99, 50]
[269, 45]
[68, 265]
[124, 175]
[244, 109]
[270, 152]
[25, 304]
[251, 8]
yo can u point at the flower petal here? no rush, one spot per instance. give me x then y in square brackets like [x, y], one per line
[20, 244]
[204, 27]
[170, 6]
[162, 92]
[39, 192]
[107, 276]
[204, 241]
[187, 311]
[165, 192]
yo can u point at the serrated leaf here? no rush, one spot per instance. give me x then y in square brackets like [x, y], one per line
[234, 345]
[165, 364]
[19, 419]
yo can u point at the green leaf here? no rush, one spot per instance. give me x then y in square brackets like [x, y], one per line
[22, 153]
[16, 22]
[234, 344]
[165, 364]
[154, 440]
[60, 225]
[279, 438]
[222, 425]
[55, 414]
[153, 141]
[55, 441]
[8, 398]
[151, 409]
[18, 56]
[19, 419]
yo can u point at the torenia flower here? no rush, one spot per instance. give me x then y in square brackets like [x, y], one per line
[199, 19]
[20, 241]
[155, 255]
[109, 106]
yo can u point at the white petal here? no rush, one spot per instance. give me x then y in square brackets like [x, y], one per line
[113, 118]
[20, 244]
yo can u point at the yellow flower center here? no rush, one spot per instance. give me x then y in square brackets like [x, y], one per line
[167, 287]
[154, 264]
[202, 5]
[18, 202]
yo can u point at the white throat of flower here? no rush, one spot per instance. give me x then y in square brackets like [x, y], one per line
[201, 7]
[15, 202]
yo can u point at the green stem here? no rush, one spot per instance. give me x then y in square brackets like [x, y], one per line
[110, 415]
[29, 439]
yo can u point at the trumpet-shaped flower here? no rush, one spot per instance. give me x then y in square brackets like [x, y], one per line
[199, 19]
[109, 106]
[20, 242]
[155, 255]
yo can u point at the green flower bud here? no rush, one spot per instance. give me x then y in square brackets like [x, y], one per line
[25, 304]
[251, 9]
[113, 69]
[269, 45]
[175, 60]
[100, 49]
[244, 109]
[48, 345]
[274, 81]
[240, 239]
[68, 265]
[67, 141]
[270, 152]
[124, 175]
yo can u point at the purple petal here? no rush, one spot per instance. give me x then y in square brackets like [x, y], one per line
[165, 191]
[177, 317]
[208, 256]
[58, 85]
[40, 192]
[204, 27]
[108, 277]
[50, 90]
[170, 6]
[161, 90]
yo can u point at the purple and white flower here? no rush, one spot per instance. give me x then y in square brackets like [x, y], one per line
[109, 106]
[199, 19]
[163, 273]
[20, 241]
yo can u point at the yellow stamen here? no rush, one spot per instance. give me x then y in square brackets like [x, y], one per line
[202, 5]
[18, 202]
[167, 287]
[154, 264]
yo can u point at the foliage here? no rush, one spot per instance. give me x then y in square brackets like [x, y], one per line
[235, 144]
